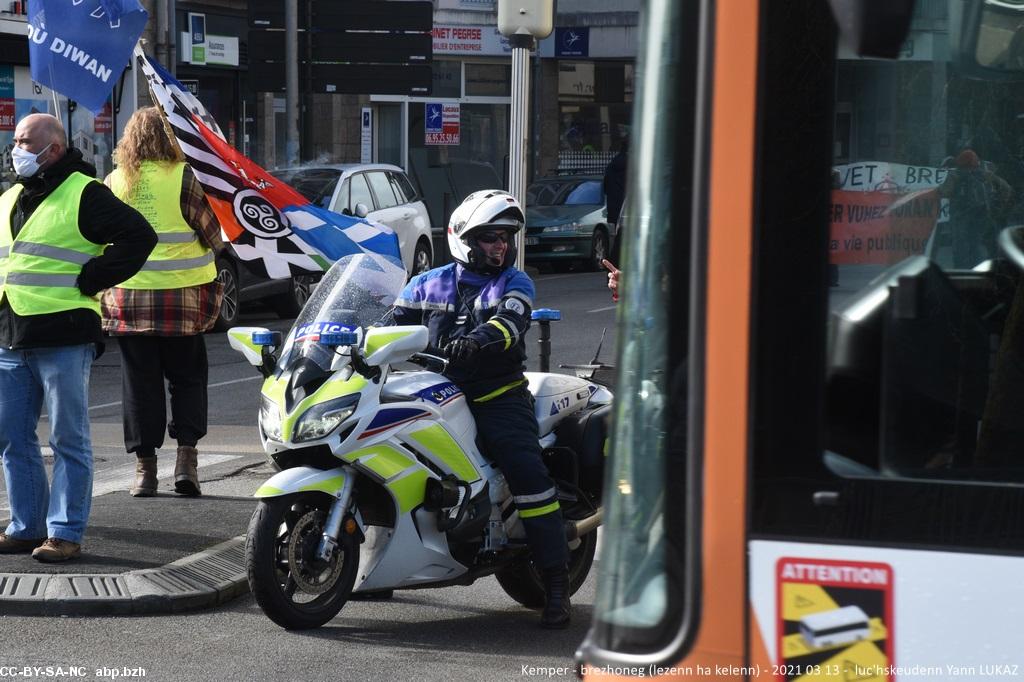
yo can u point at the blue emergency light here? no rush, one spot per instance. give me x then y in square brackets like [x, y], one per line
[266, 338]
[546, 315]
[339, 338]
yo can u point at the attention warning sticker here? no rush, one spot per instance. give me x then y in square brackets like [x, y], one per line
[835, 620]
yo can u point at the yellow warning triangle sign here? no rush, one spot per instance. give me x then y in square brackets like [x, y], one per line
[800, 599]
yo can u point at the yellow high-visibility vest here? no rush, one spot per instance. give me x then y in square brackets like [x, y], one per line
[179, 259]
[39, 269]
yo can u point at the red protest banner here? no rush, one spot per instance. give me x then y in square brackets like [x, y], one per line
[880, 227]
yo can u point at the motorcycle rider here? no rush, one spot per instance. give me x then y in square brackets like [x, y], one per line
[478, 310]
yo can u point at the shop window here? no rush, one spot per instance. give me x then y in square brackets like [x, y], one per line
[447, 79]
[488, 80]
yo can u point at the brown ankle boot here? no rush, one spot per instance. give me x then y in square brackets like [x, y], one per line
[145, 477]
[186, 478]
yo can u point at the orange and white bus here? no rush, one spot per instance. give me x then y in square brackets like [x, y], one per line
[817, 467]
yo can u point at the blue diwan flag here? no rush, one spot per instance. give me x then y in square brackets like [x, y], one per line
[79, 49]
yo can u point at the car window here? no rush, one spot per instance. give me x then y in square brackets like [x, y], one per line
[341, 204]
[557, 192]
[403, 188]
[542, 193]
[585, 193]
[382, 189]
[315, 184]
[360, 193]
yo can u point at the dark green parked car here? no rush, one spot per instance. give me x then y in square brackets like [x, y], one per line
[567, 222]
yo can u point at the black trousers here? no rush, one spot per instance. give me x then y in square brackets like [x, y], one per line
[507, 428]
[146, 361]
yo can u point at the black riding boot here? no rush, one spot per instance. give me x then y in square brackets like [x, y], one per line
[556, 598]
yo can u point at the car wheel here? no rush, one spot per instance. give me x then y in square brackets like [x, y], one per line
[230, 304]
[598, 249]
[421, 259]
[290, 303]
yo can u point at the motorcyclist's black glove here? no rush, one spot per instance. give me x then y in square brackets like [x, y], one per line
[461, 350]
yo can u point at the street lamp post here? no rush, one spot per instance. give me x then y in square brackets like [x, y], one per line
[522, 21]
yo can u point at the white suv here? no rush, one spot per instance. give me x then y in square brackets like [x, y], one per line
[379, 191]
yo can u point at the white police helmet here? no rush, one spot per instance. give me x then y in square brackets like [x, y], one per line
[482, 211]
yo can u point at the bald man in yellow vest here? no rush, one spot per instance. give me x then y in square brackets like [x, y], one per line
[63, 238]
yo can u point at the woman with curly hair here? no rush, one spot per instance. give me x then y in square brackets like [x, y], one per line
[160, 314]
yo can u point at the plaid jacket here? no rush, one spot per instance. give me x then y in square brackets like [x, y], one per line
[171, 312]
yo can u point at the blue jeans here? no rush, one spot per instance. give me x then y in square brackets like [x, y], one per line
[60, 376]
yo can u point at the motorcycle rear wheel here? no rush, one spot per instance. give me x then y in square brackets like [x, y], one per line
[294, 588]
[522, 581]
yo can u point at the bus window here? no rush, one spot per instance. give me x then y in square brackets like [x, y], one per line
[642, 595]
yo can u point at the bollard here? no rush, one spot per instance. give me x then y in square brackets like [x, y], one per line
[545, 316]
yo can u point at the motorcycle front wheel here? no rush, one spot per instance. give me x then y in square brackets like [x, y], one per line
[296, 589]
[522, 581]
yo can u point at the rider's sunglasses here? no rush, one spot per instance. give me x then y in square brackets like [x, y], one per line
[491, 237]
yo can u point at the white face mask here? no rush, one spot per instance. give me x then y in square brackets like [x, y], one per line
[26, 164]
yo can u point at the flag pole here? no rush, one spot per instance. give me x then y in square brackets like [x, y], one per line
[56, 104]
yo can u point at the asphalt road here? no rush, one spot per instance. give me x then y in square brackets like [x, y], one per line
[457, 633]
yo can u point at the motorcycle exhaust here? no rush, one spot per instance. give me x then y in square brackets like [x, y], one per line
[577, 529]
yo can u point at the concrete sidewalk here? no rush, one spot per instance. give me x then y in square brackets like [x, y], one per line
[163, 554]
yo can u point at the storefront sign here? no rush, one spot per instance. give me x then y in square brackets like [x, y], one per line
[191, 84]
[197, 38]
[473, 40]
[442, 123]
[222, 50]
[218, 51]
[572, 42]
[366, 138]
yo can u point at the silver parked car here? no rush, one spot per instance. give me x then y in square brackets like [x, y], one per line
[379, 191]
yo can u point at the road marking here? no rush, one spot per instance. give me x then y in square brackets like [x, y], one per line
[121, 477]
[601, 310]
[219, 383]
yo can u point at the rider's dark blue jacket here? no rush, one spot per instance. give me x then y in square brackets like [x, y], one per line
[493, 310]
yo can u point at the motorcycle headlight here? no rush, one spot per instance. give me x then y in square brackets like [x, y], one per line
[320, 420]
[270, 418]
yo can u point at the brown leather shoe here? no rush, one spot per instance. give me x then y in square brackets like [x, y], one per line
[186, 478]
[55, 549]
[145, 477]
[9, 545]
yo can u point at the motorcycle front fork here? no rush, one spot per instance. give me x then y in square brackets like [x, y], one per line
[332, 527]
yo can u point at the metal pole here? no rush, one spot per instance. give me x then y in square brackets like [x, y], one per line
[161, 32]
[519, 129]
[291, 77]
[172, 37]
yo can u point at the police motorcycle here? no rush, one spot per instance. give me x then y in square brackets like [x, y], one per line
[381, 485]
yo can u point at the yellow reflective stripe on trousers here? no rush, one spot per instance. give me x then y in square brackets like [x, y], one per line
[504, 332]
[495, 393]
[539, 511]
